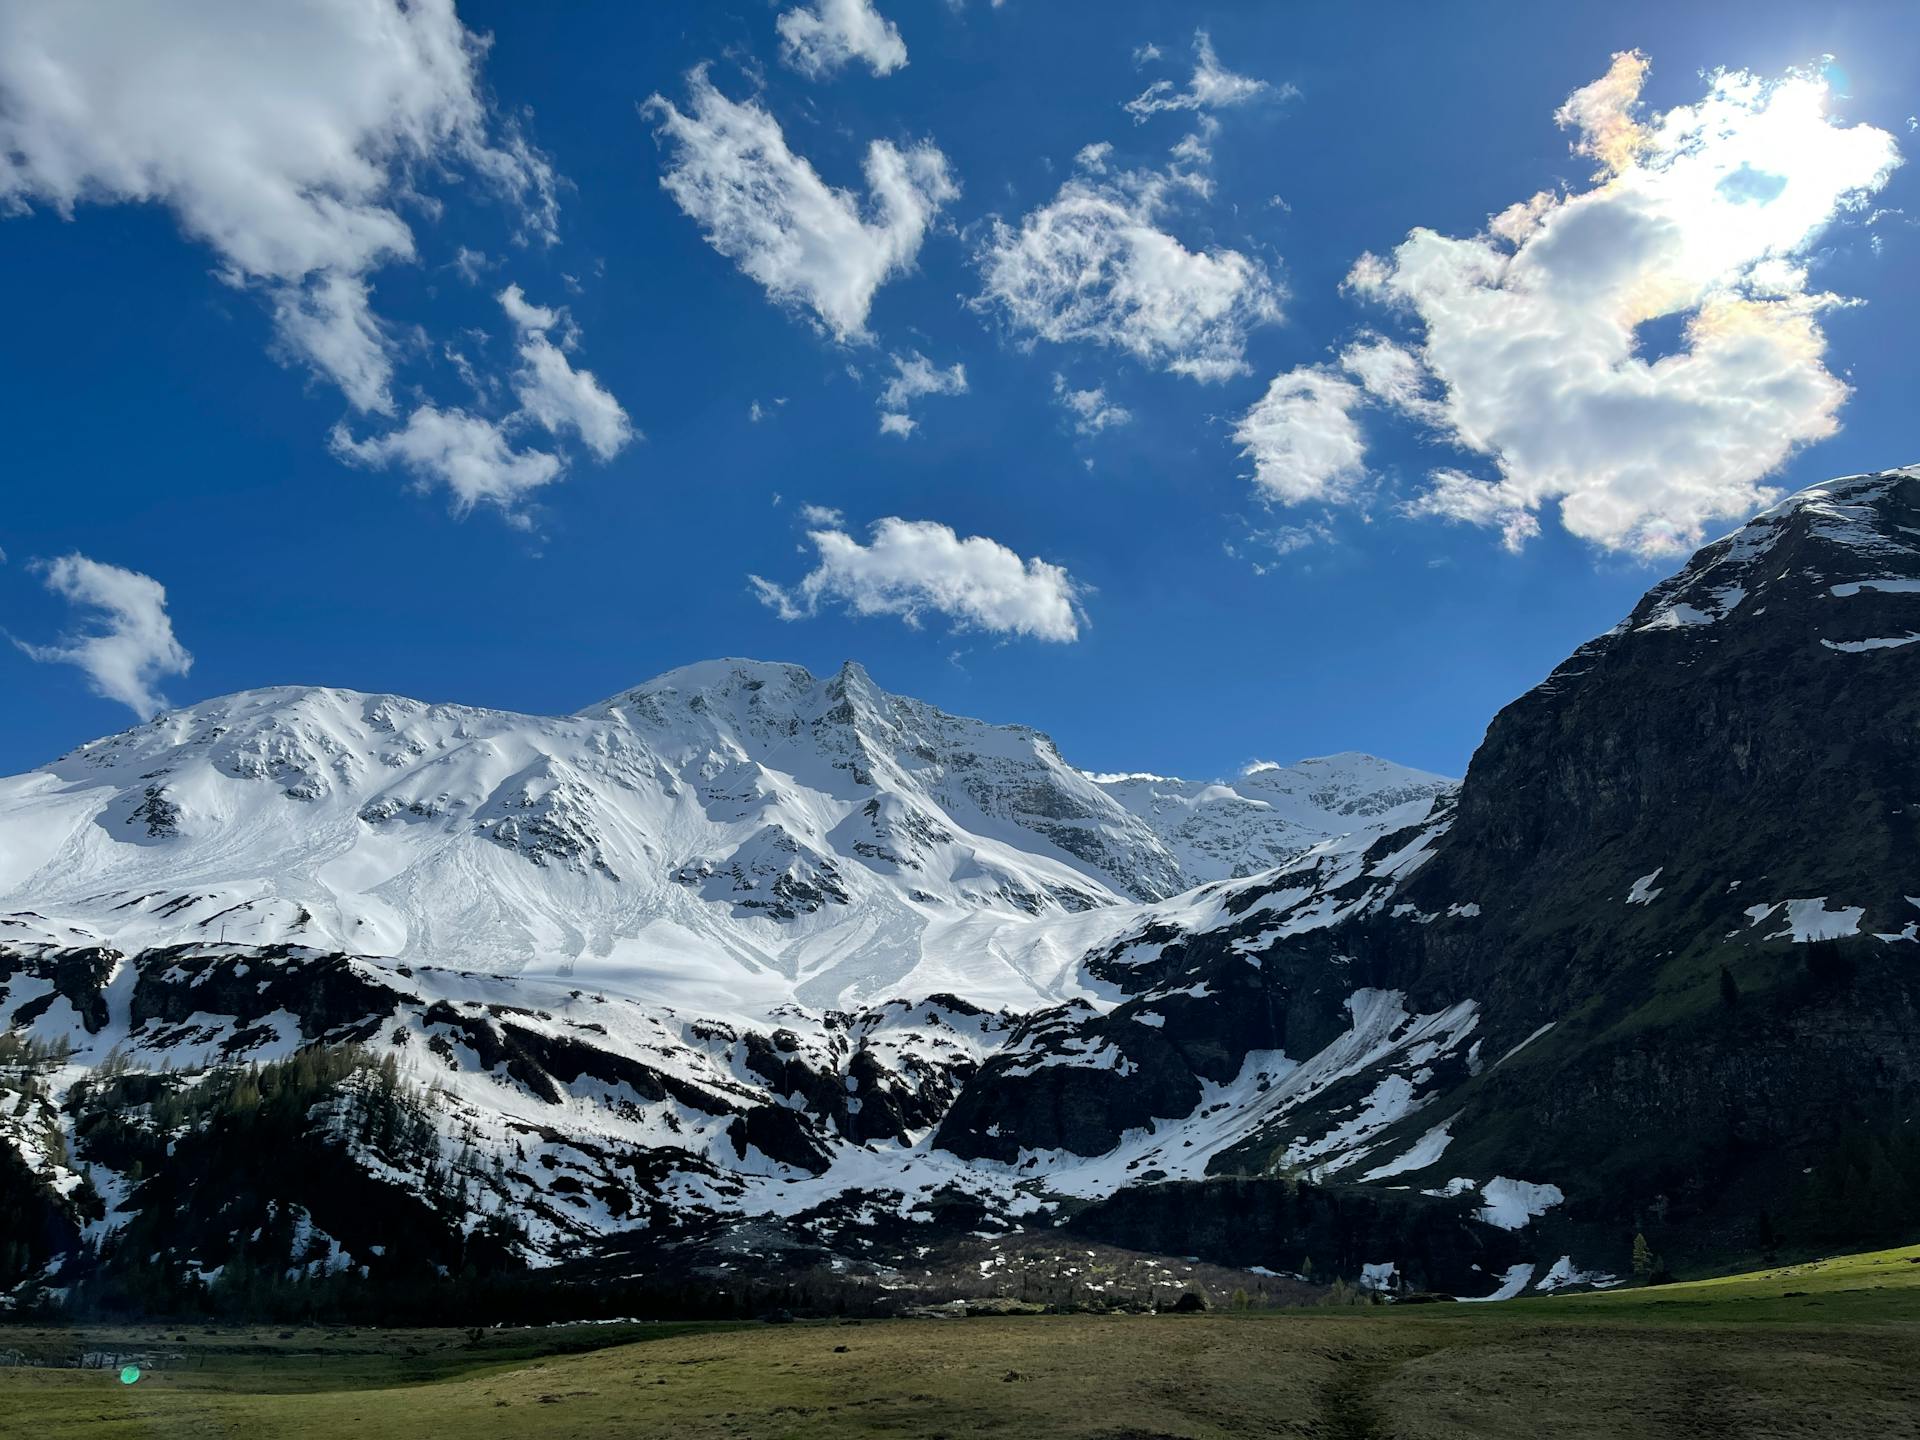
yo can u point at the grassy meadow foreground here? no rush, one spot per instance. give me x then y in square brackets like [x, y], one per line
[1827, 1348]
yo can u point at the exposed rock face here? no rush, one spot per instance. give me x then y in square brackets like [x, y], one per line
[1695, 848]
[1661, 953]
[1745, 736]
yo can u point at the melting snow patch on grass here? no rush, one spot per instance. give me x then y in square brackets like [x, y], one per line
[1377, 1277]
[1565, 1273]
[1643, 892]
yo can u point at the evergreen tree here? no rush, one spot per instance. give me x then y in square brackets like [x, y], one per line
[1645, 1262]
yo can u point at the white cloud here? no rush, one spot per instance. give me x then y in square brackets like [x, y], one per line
[913, 567]
[471, 264]
[1391, 374]
[469, 454]
[1213, 86]
[527, 318]
[329, 324]
[1531, 331]
[1091, 410]
[130, 646]
[1302, 438]
[284, 137]
[913, 376]
[555, 394]
[1263, 549]
[767, 210]
[1094, 265]
[1093, 158]
[474, 455]
[819, 38]
[1455, 495]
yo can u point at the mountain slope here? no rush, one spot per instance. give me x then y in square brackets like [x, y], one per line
[1272, 814]
[732, 835]
[744, 963]
[1679, 896]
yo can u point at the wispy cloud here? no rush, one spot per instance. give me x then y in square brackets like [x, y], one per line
[767, 210]
[470, 455]
[914, 376]
[553, 393]
[1211, 87]
[1092, 411]
[1302, 437]
[1094, 265]
[820, 38]
[126, 645]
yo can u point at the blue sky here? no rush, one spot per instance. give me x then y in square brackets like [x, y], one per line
[1332, 517]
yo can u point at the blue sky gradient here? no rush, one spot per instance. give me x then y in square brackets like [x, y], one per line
[152, 427]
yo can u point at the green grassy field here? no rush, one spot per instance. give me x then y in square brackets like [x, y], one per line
[1829, 1348]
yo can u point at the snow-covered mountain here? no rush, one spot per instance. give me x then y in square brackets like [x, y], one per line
[797, 963]
[1271, 814]
[734, 835]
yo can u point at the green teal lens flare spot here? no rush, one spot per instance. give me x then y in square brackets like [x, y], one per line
[129, 1374]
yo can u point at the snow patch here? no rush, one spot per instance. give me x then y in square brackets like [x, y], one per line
[1857, 647]
[1809, 920]
[1892, 585]
[1378, 1276]
[1511, 1204]
[1565, 1273]
[1511, 1284]
[1425, 1151]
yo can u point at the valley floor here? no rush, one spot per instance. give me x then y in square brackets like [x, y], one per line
[1829, 1349]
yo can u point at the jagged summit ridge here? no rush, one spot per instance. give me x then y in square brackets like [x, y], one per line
[735, 833]
[1853, 530]
[1270, 815]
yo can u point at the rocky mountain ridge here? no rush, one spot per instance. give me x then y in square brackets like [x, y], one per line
[762, 834]
[1648, 970]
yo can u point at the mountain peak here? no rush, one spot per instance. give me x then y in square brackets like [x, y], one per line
[1858, 530]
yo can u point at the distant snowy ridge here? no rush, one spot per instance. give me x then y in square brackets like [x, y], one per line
[733, 835]
[1270, 815]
